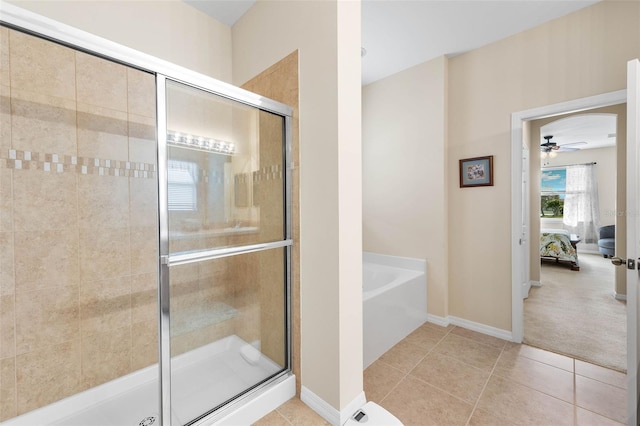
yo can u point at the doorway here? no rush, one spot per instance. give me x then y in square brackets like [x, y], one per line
[574, 306]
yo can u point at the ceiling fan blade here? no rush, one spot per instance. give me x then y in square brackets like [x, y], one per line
[573, 143]
[567, 149]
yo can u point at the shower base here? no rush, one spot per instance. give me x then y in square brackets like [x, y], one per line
[201, 379]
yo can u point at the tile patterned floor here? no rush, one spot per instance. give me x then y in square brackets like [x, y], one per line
[453, 376]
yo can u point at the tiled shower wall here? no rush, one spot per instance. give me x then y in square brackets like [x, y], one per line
[78, 222]
[280, 82]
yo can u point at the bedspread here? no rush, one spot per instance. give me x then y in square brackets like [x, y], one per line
[557, 244]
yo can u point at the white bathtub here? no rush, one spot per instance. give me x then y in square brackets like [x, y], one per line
[394, 301]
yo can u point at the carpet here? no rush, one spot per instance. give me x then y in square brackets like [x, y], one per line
[574, 313]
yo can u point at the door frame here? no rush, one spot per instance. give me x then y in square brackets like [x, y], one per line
[519, 254]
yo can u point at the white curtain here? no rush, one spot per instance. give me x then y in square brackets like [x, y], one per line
[581, 212]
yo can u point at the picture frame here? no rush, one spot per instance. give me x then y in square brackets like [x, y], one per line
[477, 171]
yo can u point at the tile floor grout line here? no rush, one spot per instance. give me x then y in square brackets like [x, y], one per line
[440, 389]
[413, 368]
[475, 406]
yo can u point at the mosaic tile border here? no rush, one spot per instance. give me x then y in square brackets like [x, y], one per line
[268, 173]
[29, 160]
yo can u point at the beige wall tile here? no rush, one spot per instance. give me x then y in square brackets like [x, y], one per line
[144, 250]
[144, 347]
[8, 402]
[143, 202]
[219, 331]
[41, 123]
[103, 202]
[48, 375]
[41, 66]
[144, 297]
[141, 93]
[184, 274]
[7, 327]
[45, 200]
[104, 253]
[45, 317]
[106, 356]
[105, 305]
[102, 133]
[6, 200]
[45, 259]
[5, 78]
[142, 139]
[247, 323]
[184, 297]
[101, 82]
[7, 277]
[5, 119]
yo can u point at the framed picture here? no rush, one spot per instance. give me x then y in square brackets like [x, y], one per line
[476, 171]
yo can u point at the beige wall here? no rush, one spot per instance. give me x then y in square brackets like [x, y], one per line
[579, 55]
[168, 29]
[327, 37]
[404, 171]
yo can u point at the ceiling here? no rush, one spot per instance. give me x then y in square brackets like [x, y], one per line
[597, 130]
[399, 34]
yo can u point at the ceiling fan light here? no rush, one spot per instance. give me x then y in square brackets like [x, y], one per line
[543, 154]
[553, 154]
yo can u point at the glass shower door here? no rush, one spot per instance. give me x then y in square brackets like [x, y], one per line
[227, 243]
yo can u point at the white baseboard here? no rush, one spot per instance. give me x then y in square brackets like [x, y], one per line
[619, 296]
[482, 328]
[471, 325]
[441, 321]
[328, 412]
[525, 289]
[536, 284]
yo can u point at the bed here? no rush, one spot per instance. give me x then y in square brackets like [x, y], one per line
[556, 244]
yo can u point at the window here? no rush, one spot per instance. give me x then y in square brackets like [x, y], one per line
[552, 192]
[182, 178]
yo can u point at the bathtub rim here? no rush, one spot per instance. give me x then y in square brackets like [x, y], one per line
[411, 263]
[403, 276]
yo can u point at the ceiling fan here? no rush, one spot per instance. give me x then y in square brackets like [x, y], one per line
[549, 147]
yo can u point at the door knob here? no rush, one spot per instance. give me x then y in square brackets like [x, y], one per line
[617, 261]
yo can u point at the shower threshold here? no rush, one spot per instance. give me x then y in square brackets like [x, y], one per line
[201, 380]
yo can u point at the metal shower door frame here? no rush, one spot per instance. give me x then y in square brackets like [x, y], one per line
[166, 259]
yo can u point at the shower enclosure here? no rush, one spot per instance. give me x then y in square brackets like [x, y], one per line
[145, 236]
